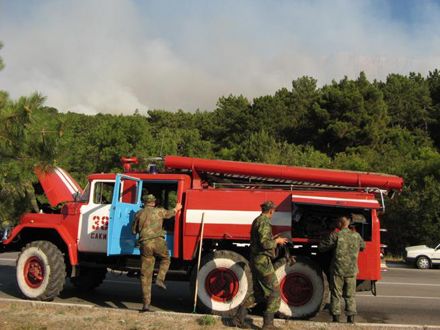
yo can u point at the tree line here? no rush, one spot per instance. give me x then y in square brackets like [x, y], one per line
[390, 126]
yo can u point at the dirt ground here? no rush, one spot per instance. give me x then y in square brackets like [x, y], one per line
[40, 316]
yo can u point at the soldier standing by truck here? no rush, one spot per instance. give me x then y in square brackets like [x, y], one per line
[266, 286]
[148, 224]
[346, 245]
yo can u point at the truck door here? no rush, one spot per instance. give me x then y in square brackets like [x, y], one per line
[125, 203]
[94, 217]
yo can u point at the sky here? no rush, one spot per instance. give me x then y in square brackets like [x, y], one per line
[116, 56]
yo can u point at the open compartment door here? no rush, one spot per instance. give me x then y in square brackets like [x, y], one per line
[314, 216]
[126, 202]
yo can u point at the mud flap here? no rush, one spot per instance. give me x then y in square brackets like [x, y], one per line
[365, 285]
[373, 288]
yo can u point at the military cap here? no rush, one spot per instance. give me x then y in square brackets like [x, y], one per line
[150, 198]
[267, 205]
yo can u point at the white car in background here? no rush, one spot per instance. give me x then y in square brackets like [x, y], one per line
[423, 257]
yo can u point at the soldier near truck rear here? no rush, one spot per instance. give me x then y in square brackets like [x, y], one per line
[345, 245]
[148, 224]
[262, 250]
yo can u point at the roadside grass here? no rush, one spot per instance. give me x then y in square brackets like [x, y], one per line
[31, 327]
[394, 258]
[39, 316]
[206, 320]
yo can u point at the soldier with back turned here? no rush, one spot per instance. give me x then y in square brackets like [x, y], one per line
[148, 224]
[345, 245]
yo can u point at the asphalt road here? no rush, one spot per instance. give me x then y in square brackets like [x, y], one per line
[405, 295]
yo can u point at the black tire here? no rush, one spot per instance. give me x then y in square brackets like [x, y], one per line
[423, 262]
[41, 271]
[223, 282]
[89, 278]
[304, 289]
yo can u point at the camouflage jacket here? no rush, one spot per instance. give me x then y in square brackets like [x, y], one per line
[148, 222]
[262, 242]
[346, 245]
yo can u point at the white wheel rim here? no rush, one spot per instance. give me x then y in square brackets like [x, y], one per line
[206, 297]
[28, 291]
[298, 311]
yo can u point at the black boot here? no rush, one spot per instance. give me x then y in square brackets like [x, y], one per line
[268, 322]
[335, 318]
[239, 319]
[350, 319]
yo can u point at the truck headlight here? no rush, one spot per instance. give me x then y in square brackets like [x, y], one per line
[5, 233]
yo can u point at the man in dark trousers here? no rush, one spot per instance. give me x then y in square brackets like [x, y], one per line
[266, 286]
[148, 224]
[345, 245]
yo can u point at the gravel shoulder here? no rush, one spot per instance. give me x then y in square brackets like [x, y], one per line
[28, 315]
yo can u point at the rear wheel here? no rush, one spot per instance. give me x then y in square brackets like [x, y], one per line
[41, 271]
[303, 288]
[223, 282]
[89, 278]
[423, 262]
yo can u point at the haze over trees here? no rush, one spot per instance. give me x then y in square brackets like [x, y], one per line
[390, 126]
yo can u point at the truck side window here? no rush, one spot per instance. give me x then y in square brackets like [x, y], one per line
[166, 197]
[103, 193]
[170, 196]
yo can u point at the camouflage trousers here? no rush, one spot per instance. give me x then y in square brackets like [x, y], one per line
[150, 249]
[341, 286]
[265, 285]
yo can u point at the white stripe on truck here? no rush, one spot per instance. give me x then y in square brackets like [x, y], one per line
[234, 217]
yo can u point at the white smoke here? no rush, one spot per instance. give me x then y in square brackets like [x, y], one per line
[117, 56]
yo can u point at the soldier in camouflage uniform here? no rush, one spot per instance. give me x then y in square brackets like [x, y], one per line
[265, 287]
[148, 224]
[345, 245]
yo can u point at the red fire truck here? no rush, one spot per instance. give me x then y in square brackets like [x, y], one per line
[90, 232]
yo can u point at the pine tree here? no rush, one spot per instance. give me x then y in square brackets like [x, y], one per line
[27, 139]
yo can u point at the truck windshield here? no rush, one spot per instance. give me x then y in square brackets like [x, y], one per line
[84, 197]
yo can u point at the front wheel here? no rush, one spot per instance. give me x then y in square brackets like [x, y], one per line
[303, 288]
[41, 271]
[223, 282]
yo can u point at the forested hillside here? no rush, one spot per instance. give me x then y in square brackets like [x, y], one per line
[390, 126]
